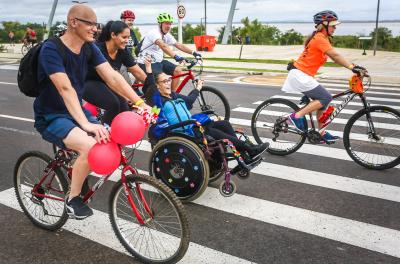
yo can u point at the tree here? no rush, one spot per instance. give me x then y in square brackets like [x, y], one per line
[384, 36]
[188, 32]
[291, 37]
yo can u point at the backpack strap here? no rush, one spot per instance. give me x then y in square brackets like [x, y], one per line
[61, 48]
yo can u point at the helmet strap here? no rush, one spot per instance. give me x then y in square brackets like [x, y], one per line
[161, 30]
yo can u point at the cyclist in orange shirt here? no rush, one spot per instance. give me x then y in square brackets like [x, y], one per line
[301, 73]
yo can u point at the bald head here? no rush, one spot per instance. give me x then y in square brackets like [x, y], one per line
[81, 11]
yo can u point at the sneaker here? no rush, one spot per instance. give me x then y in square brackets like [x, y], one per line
[77, 209]
[297, 122]
[258, 150]
[329, 138]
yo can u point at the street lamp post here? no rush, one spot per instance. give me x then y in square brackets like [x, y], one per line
[376, 28]
[232, 26]
[48, 26]
[205, 17]
[201, 26]
[228, 25]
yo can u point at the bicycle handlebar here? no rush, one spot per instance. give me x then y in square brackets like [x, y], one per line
[192, 62]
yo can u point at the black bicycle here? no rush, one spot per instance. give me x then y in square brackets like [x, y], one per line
[369, 142]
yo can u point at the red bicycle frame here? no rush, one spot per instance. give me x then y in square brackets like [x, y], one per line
[52, 166]
[189, 76]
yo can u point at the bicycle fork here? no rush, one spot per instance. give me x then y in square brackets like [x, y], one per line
[141, 198]
[371, 128]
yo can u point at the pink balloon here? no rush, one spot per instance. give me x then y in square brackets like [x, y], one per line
[104, 158]
[127, 128]
[91, 108]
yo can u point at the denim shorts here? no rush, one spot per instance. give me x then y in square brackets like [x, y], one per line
[164, 66]
[55, 127]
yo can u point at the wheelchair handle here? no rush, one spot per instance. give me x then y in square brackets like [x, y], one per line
[182, 124]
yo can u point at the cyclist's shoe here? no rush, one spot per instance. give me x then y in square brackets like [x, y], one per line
[77, 209]
[297, 122]
[329, 138]
[258, 150]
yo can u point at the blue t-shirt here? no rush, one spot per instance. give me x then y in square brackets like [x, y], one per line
[50, 61]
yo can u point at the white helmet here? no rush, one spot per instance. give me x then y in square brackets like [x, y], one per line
[60, 29]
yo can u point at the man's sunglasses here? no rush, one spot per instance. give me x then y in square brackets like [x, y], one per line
[89, 23]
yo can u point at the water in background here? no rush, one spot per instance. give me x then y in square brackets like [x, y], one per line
[359, 29]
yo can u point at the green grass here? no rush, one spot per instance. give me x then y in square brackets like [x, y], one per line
[328, 64]
[241, 69]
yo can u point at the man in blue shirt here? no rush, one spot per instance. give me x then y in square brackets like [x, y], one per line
[59, 116]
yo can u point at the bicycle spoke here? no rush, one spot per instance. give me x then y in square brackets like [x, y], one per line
[159, 238]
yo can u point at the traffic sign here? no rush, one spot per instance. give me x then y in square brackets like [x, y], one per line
[181, 11]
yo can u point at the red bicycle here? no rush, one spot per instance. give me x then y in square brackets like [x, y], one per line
[210, 98]
[146, 216]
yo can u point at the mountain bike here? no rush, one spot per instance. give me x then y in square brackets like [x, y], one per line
[146, 216]
[210, 99]
[368, 141]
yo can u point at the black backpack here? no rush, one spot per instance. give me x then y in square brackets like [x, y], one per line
[28, 82]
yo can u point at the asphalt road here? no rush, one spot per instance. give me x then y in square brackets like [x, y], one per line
[314, 206]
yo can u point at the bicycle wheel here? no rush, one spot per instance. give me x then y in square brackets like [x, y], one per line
[379, 150]
[268, 121]
[46, 212]
[212, 99]
[162, 238]
[24, 49]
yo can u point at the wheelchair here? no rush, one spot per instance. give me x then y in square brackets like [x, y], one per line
[186, 160]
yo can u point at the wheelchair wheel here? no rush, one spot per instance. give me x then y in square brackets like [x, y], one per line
[180, 164]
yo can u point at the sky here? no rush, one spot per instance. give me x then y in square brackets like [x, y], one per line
[217, 10]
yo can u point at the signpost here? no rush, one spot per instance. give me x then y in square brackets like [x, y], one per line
[181, 12]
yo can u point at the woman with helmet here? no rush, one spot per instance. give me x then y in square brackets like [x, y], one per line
[301, 73]
[128, 17]
[156, 42]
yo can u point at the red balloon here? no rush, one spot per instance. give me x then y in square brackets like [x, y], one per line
[104, 158]
[91, 108]
[127, 128]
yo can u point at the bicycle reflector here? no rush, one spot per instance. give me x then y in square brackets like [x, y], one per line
[356, 84]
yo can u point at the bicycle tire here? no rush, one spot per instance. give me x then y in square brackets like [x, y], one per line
[376, 146]
[60, 177]
[169, 198]
[220, 105]
[256, 130]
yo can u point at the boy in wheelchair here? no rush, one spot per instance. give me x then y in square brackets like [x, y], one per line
[175, 109]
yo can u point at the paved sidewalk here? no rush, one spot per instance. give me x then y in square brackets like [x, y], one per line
[384, 67]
